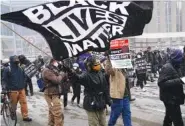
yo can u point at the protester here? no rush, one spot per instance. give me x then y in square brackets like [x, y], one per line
[65, 92]
[160, 60]
[14, 77]
[76, 86]
[40, 81]
[131, 78]
[140, 66]
[52, 80]
[4, 64]
[119, 94]
[65, 84]
[183, 63]
[96, 92]
[25, 62]
[171, 89]
[150, 63]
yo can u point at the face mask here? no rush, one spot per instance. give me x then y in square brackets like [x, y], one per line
[16, 62]
[96, 67]
[55, 64]
[138, 56]
[74, 68]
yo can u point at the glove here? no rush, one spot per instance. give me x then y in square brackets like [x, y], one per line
[109, 102]
[66, 69]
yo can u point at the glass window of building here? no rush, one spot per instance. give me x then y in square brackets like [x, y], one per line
[179, 16]
[4, 9]
[168, 15]
[18, 43]
[5, 31]
[158, 15]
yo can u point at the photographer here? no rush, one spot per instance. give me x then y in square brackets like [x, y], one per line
[52, 80]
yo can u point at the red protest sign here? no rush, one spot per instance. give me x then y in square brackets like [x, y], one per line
[118, 44]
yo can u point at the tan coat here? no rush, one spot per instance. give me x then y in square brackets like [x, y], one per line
[117, 81]
[51, 81]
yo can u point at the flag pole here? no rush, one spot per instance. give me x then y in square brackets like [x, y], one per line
[24, 39]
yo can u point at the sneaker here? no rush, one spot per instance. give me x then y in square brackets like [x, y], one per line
[147, 85]
[31, 94]
[27, 119]
[132, 99]
[144, 90]
[152, 80]
[72, 102]
[137, 88]
[79, 106]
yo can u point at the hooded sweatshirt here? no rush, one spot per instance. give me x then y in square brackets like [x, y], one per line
[14, 76]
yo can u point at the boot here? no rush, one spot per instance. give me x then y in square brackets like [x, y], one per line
[27, 119]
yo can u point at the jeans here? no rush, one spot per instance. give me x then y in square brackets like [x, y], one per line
[120, 106]
[173, 114]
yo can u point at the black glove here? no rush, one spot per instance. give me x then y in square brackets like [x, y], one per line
[67, 69]
[109, 102]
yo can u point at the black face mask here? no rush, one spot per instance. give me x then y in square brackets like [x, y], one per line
[16, 62]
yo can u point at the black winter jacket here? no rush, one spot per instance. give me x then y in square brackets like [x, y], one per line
[94, 83]
[171, 86]
[183, 66]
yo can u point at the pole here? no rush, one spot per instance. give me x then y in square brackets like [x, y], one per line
[24, 39]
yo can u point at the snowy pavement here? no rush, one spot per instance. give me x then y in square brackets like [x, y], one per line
[147, 109]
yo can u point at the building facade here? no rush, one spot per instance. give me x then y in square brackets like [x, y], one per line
[167, 17]
[13, 44]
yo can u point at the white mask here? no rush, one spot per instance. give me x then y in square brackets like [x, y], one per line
[138, 56]
[55, 64]
[74, 68]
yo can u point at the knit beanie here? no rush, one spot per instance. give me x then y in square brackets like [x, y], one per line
[176, 56]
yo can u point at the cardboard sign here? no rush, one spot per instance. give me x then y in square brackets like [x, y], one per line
[30, 70]
[120, 56]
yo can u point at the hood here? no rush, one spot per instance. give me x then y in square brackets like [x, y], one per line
[176, 56]
[12, 64]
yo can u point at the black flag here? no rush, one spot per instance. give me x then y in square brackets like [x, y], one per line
[76, 26]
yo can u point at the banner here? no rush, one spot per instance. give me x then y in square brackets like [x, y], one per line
[77, 26]
[120, 56]
[81, 60]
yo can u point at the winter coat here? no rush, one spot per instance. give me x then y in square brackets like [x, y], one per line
[14, 76]
[150, 58]
[183, 66]
[76, 85]
[170, 84]
[52, 79]
[117, 81]
[94, 83]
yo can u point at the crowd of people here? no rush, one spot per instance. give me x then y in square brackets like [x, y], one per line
[103, 85]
